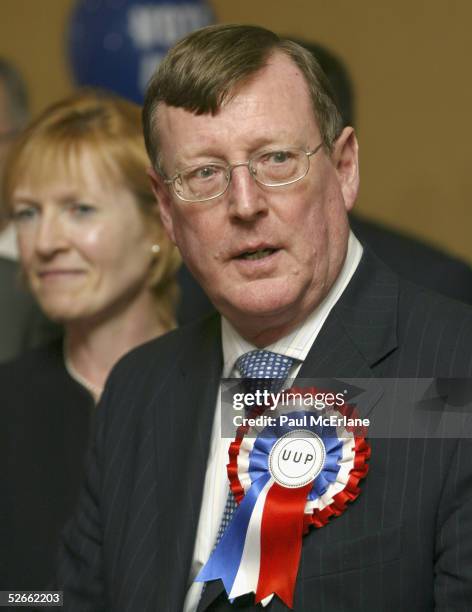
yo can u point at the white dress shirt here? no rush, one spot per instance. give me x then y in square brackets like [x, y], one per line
[296, 345]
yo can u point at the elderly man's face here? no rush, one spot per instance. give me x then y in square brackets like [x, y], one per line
[266, 256]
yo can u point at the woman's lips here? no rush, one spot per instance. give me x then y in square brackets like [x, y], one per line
[58, 274]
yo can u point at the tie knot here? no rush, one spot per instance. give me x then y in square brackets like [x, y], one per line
[262, 364]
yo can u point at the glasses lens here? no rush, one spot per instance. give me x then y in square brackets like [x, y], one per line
[201, 183]
[273, 168]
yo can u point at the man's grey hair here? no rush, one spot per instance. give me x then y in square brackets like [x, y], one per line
[203, 70]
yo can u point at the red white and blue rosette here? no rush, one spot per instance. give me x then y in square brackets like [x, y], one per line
[286, 478]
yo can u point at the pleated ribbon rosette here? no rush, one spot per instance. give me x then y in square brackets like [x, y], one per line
[286, 478]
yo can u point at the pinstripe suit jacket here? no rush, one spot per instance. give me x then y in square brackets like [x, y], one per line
[404, 544]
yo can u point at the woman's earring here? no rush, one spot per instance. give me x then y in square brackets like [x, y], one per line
[155, 249]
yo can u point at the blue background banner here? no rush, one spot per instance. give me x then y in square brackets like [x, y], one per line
[117, 44]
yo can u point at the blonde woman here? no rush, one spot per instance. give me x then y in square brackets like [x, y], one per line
[95, 256]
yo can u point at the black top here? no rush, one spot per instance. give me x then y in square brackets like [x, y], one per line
[44, 430]
[22, 326]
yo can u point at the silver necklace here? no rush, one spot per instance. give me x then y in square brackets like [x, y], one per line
[95, 390]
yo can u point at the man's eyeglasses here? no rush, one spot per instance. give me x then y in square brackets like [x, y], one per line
[274, 168]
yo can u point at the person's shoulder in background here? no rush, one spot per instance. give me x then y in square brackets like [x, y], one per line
[415, 260]
[22, 324]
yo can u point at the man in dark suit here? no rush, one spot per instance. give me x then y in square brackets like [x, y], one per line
[254, 175]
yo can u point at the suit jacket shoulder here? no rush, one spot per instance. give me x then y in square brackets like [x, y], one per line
[148, 366]
[402, 329]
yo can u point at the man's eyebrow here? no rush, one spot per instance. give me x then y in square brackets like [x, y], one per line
[274, 140]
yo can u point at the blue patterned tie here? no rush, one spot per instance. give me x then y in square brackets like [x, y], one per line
[257, 366]
[262, 370]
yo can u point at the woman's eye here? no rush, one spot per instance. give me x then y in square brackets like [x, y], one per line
[80, 209]
[24, 214]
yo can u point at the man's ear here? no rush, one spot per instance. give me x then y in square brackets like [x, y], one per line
[346, 161]
[164, 201]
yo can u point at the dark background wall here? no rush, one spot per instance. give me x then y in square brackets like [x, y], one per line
[410, 60]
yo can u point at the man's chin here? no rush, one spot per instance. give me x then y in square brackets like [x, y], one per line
[251, 305]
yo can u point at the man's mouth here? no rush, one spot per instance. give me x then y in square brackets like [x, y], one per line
[259, 254]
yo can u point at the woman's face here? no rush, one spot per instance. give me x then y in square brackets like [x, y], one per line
[85, 246]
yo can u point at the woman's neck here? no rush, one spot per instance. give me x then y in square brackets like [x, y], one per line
[92, 347]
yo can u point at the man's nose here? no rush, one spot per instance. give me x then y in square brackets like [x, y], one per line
[50, 235]
[247, 200]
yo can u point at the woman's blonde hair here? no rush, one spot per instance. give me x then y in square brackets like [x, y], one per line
[109, 128]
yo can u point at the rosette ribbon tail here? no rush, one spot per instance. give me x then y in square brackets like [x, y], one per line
[281, 542]
[225, 561]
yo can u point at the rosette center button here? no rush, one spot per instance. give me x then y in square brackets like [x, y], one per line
[297, 458]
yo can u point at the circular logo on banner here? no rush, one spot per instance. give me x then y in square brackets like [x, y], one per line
[117, 44]
[297, 458]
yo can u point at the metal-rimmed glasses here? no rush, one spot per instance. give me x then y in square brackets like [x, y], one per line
[270, 168]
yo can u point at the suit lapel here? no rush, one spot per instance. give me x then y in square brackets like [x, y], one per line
[324, 369]
[182, 429]
[359, 333]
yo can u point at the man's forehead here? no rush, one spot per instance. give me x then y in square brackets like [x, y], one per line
[278, 67]
[280, 84]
